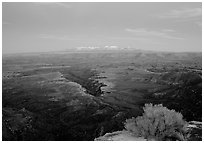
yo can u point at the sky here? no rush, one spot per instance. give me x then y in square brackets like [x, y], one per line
[44, 26]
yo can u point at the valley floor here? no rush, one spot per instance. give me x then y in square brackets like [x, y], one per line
[81, 96]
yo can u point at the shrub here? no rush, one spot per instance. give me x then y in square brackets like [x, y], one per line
[158, 123]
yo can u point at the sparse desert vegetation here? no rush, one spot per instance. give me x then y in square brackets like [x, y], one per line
[158, 123]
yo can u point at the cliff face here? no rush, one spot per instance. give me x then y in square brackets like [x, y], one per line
[194, 131]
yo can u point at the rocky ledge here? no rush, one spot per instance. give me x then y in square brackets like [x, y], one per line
[194, 131]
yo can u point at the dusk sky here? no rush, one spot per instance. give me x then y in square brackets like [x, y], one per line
[40, 27]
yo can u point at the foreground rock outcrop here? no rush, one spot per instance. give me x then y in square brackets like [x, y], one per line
[194, 131]
[120, 136]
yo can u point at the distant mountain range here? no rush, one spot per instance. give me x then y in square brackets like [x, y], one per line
[100, 48]
[115, 48]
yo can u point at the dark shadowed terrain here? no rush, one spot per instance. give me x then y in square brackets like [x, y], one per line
[83, 95]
